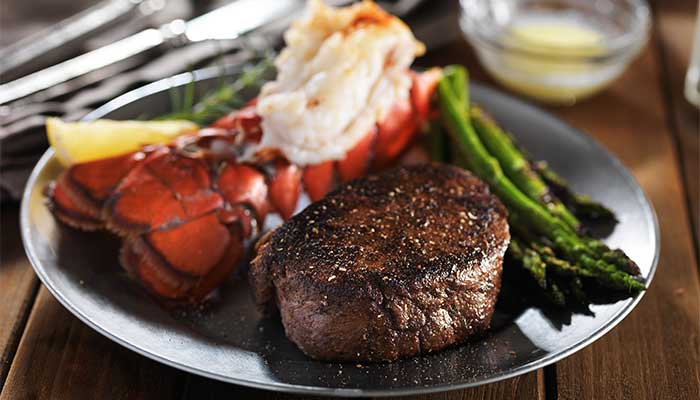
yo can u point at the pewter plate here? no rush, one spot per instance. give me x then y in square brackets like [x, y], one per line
[230, 341]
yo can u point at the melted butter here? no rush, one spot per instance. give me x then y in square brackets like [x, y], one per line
[556, 59]
[567, 37]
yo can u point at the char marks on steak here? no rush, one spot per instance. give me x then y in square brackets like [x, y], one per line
[387, 266]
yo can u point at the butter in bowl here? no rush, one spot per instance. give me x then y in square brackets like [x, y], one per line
[555, 51]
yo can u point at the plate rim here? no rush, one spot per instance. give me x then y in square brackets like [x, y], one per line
[212, 72]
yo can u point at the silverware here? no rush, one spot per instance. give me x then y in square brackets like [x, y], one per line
[62, 37]
[226, 23]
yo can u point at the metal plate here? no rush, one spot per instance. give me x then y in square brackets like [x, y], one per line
[229, 341]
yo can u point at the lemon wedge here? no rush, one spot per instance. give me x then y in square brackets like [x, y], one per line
[76, 142]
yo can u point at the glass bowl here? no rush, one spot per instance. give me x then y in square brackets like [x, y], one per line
[556, 51]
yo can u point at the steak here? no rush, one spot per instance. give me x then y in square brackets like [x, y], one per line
[387, 266]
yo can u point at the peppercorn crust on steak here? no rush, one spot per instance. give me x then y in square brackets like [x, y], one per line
[388, 266]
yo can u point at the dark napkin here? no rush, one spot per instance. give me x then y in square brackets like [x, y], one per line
[22, 135]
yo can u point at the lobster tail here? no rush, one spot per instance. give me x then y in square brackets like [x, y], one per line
[285, 188]
[184, 211]
[245, 186]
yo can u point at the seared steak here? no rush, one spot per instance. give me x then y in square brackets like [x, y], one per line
[387, 266]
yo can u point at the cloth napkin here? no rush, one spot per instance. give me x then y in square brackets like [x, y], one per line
[22, 135]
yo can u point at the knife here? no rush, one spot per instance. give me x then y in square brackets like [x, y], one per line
[225, 23]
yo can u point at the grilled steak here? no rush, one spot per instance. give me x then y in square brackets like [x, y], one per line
[387, 266]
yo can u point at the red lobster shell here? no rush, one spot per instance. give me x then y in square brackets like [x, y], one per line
[185, 210]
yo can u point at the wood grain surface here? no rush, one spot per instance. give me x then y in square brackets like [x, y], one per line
[59, 357]
[653, 354]
[675, 34]
[18, 286]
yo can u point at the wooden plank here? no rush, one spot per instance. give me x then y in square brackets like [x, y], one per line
[528, 386]
[61, 358]
[18, 286]
[653, 354]
[675, 23]
[198, 388]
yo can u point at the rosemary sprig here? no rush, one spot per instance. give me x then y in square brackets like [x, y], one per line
[222, 100]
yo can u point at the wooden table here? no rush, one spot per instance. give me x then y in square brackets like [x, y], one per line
[653, 354]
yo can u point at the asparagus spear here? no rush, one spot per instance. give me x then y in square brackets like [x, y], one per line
[530, 261]
[524, 176]
[616, 256]
[457, 77]
[577, 290]
[582, 205]
[573, 248]
[555, 294]
[517, 167]
[437, 142]
[522, 239]
[555, 263]
[537, 268]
